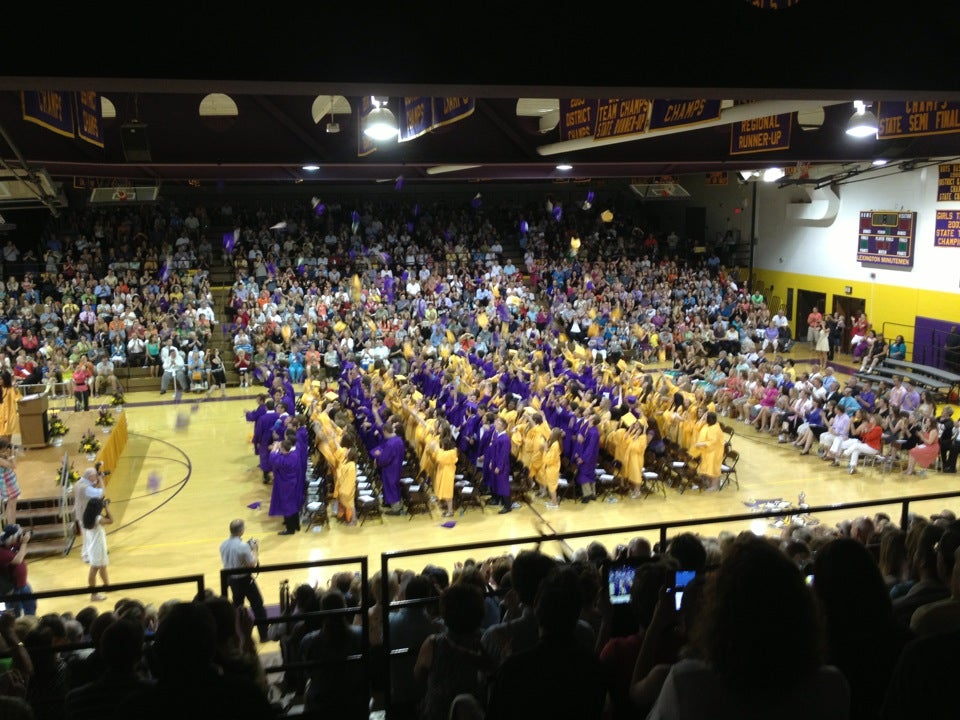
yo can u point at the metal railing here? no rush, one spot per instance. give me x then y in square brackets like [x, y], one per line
[359, 560]
[139, 585]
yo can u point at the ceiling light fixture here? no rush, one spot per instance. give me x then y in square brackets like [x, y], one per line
[565, 167]
[310, 168]
[878, 162]
[380, 124]
[863, 123]
[747, 175]
[773, 174]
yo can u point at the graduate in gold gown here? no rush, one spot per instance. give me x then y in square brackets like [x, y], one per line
[445, 463]
[346, 487]
[636, 448]
[709, 448]
[549, 472]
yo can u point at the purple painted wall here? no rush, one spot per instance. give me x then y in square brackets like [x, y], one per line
[929, 337]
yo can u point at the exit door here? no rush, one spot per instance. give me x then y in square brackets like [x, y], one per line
[807, 300]
[849, 307]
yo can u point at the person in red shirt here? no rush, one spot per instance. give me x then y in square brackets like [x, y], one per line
[867, 441]
[13, 554]
[813, 323]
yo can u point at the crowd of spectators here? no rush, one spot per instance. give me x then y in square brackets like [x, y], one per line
[852, 621]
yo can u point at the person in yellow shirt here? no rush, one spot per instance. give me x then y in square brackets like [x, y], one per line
[709, 448]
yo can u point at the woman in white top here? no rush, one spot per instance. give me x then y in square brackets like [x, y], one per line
[95, 516]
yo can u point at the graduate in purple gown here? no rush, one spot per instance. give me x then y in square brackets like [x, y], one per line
[254, 415]
[496, 465]
[285, 499]
[262, 437]
[389, 458]
[586, 454]
[484, 435]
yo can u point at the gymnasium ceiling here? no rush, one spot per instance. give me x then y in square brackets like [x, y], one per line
[515, 61]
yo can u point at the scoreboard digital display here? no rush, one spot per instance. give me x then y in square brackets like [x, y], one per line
[886, 237]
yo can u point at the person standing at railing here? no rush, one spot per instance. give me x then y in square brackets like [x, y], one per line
[95, 515]
[237, 554]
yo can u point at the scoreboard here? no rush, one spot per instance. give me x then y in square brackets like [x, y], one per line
[886, 237]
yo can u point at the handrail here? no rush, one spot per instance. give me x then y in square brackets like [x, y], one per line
[160, 582]
[364, 606]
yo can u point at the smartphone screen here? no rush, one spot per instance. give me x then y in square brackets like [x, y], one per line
[619, 582]
[680, 580]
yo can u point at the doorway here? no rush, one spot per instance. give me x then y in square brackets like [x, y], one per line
[807, 300]
[849, 307]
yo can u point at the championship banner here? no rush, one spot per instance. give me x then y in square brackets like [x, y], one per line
[764, 134]
[365, 146]
[948, 229]
[915, 118]
[948, 183]
[578, 118]
[674, 113]
[89, 117]
[416, 117]
[51, 109]
[618, 117]
[448, 110]
[420, 115]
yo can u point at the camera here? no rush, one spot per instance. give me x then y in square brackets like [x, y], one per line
[252, 542]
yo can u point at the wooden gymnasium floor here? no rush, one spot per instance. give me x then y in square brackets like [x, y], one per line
[188, 470]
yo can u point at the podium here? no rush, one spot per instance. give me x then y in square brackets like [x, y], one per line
[34, 429]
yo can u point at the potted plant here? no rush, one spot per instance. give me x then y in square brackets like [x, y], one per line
[117, 401]
[105, 420]
[57, 429]
[90, 446]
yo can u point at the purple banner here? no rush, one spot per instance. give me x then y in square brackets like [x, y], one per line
[948, 182]
[89, 118]
[578, 118]
[917, 117]
[416, 117]
[420, 115]
[617, 117]
[365, 146]
[448, 110]
[948, 229]
[52, 109]
[673, 113]
[763, 134]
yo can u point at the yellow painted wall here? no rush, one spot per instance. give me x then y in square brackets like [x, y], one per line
[884, 303]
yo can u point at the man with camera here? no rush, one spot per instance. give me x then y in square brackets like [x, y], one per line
[13, 554]
[237, 554]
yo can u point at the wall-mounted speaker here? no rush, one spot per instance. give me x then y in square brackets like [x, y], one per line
[136, 145]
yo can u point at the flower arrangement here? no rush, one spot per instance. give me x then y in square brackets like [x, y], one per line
[118, 400]
[72, 476]
[57, 427]
[106, 418]
[89, 445]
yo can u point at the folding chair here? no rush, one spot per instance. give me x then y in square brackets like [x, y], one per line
[728, 469]
[416, 500]
[466, 496]
[368, 507]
